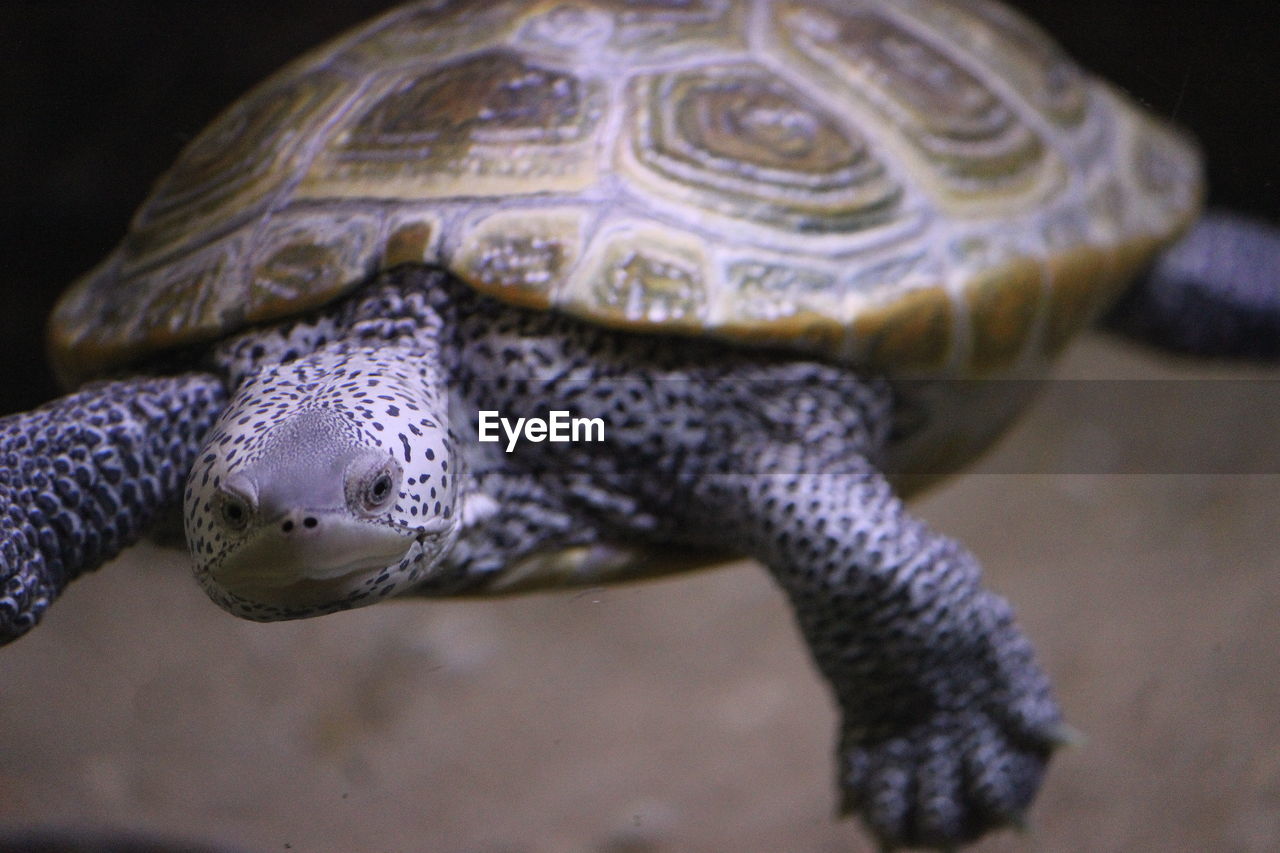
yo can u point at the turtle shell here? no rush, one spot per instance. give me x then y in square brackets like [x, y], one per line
[920, 186]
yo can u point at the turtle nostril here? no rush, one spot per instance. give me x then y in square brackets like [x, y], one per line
[289, 525]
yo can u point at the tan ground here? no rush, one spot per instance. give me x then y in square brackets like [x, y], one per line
[679, 715]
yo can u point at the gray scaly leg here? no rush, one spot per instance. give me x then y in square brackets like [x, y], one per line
[1215, 293]
[948, 723]
[85, 476]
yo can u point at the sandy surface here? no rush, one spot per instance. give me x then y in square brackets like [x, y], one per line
[682, 714]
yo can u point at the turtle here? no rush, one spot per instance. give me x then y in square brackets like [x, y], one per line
[490, 297]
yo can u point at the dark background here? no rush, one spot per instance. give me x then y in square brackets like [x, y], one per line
[98, 98]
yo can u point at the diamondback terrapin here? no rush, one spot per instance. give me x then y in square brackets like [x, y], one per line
[748, 244]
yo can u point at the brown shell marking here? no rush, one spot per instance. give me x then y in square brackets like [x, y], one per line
[911, 333]
[409, 243]
[1074, 297]
[1004, 306]
[638, 276]
[1015, 49]
[227, 172]
[736, 140]
[781, 172]
[522, 258]
[969, 138]
[491, 124]
[303, 258]
[183, 295]
[101, 316]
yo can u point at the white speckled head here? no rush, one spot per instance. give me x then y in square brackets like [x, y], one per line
[325, 485]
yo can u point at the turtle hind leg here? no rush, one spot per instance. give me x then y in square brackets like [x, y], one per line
[1215, 293]
[85, 475]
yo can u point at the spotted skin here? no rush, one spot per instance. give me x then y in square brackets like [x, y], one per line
[710, 449]
[947, 721]
[340, 409]
[87, 475]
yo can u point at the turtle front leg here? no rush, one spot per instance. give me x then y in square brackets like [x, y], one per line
[85, 476]
[947, 720]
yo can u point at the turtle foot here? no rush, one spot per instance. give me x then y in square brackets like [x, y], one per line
[943, 783]
[943, 771]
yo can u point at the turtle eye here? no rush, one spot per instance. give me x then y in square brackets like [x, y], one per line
[234, 511]
[380, 488]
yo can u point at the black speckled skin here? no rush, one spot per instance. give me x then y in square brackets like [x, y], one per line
[948, 723]
[87, 475]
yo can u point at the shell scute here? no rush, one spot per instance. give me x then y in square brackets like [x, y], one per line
[1016, 50]
[1074, 297]
[769, 292]
[410, 241]
[228, 173]
[488, 124]
[524, 259]
[912, 332]
[915, 185]
[965, 137]
[186, 293]
[637, 275]
[741, 142]
[1004, 304]
[304, 258]
[660, 28]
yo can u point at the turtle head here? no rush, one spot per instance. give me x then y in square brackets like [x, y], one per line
[326, 484]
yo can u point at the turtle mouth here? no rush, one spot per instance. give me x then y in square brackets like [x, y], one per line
[312, 561]
[280, 577]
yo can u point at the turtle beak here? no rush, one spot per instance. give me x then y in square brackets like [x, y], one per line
[306, 562]
[308, 545]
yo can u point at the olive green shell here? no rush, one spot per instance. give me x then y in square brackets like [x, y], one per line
[923, 186]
